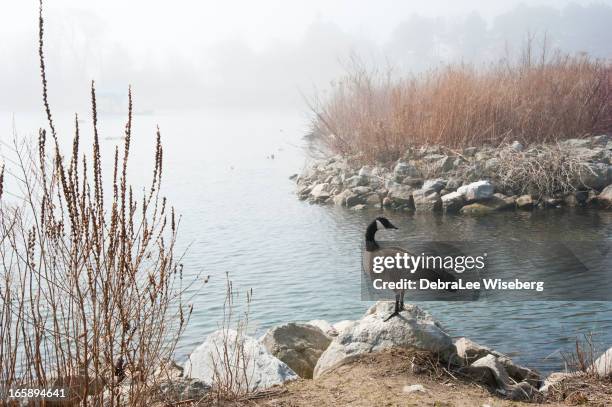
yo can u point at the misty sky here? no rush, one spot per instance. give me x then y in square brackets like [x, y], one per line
[263, 53]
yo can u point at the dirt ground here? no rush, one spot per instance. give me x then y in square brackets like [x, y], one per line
[379, 380]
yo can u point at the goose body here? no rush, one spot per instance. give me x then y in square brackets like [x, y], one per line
[393, 274]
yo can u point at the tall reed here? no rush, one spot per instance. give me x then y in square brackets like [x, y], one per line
[90, 283]
[537, 98]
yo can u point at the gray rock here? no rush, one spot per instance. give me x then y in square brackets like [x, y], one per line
[427, 200]
[400, 194]
[596, 176]
[501, 202]
[403, 169]
[444, 164]
[414, 388]
[320, 191]
[181, 389]
[304, 192]
[470, 351]
[581, 196]
[365, 171]
[491, 164]
[362, 190]
[356, 181]
[517, 146]
[262, 368]
[415, 329]
[524, 202]
[413, 182]
[340, 199]
[576, 143]
[336, 180]
[298, 345]
[373, 200]
[452, 202]
[436, 184]
[499, 372]
[601, 140]
[502, 382]
[353, 200]
[469, 151]
[453, 183]
[476, 209]
[324, 326]
[482, 156]
[359, 207]
[573, 199]
[604, 199]
[519, 373]
[591, 154]
[522, 391]
[478, 190]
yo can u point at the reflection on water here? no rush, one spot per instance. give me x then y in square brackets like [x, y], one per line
[240, 215]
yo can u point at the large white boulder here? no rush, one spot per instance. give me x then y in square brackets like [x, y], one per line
[246, 360]
[477, 190]
[412, 329]
[603, 364]
[298, 345]
[340, 326]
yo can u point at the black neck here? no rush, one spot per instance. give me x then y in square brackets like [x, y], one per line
[371, 244]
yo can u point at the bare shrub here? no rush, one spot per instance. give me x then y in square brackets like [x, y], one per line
[544, 170]
[534, 100]
[231, 361]
[583, 356]
[90, 285]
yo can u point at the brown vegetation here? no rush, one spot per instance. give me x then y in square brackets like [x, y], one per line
[532, 100]
[90, 285]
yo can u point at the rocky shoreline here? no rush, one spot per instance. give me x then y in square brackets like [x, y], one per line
[317, 348]
[474, 180]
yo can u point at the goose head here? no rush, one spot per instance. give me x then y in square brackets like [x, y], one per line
[384, 222]
[371, 231]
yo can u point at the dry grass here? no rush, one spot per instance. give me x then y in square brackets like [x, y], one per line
[545, 170]
[582, 358]
[376, 117]
[90, 286]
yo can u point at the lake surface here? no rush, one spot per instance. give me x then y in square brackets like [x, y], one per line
[240, 215]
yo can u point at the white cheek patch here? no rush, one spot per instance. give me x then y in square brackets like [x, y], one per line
[379, 225]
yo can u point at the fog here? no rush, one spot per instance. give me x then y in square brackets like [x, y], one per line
[263, 54]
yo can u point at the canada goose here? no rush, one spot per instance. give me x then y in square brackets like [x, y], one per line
[373, 249]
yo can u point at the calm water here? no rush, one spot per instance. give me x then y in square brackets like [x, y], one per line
[240, 215]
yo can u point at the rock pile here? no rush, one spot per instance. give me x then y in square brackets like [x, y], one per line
[318, 348]
[470, 181]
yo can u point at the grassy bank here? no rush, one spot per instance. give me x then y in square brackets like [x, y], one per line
[532, 99]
